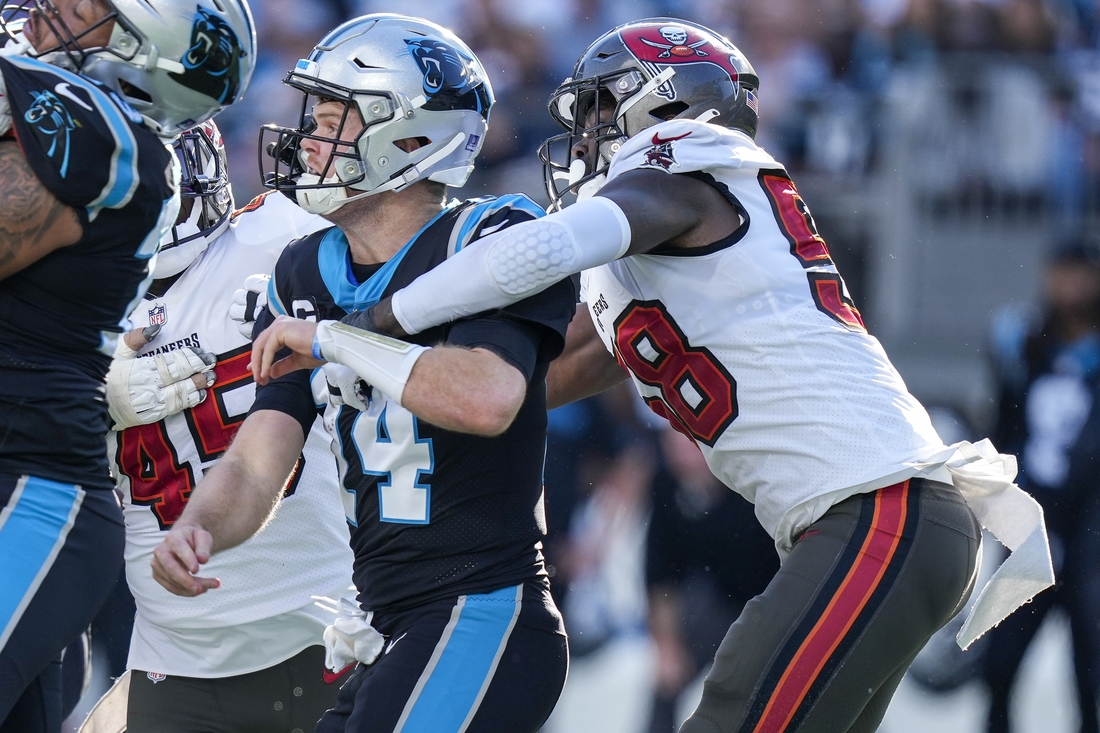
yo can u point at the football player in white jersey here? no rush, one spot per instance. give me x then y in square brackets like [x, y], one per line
[249, 656]
[712, 288]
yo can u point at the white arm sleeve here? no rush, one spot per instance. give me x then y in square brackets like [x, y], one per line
[516, 263]
[381, 361]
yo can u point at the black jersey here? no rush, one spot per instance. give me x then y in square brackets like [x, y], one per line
[62, 314]
[434, 513]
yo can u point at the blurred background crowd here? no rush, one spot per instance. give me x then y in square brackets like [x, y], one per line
[950, 152]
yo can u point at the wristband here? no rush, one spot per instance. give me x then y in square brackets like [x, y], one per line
[381, 361]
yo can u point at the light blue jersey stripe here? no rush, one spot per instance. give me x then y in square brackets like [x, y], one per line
[273, 300]
[454, 683]
[483, 211]
[33, 527]
[334, 262]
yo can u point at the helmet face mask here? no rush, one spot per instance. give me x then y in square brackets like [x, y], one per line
[651, 70]
[403, 80]
[572, 106]
[204, 181]
[175, 62]
[14, 16]
[342, 166]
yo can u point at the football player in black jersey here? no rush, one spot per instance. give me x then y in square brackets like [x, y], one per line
[441, 451]
[87, 187]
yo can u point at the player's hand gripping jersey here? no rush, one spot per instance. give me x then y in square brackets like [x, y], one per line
[62, 314]
[434, 514]
[752, 345]
[302, 553]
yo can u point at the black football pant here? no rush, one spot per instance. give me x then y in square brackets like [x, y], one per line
[286, 697]
[60, 553]
[484, 663]
[823, 648]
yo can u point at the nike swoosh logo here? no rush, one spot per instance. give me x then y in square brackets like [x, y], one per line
[394, 641]
[331, 677]
[62, 88]
[657, 140]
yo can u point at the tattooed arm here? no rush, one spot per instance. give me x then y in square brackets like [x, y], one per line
[33, 222]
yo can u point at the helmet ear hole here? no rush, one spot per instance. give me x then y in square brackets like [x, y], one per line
[412, 144]
[669, 111]
[134, 92]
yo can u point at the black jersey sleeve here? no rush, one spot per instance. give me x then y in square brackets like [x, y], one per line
[78, 136]
[514, 341]
[291, 394]
[525, 334]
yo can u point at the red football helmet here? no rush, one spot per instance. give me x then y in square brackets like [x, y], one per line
[648, 71]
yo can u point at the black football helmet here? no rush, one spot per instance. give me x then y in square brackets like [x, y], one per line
[647, 71]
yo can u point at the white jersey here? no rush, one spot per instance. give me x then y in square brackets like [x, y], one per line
[303, 553]
[752, 345]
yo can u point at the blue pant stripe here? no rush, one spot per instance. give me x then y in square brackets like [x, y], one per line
[455, 681]
[35, 524]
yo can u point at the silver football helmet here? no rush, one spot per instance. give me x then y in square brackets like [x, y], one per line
[177, 62]
[207, 200]
[401, 78]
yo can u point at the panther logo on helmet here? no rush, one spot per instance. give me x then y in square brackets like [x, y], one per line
[212, 64]
[448, 74]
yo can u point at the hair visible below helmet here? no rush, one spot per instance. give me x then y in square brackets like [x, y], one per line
[646, 71]
[177, 62]
[405, 78]
[204, 180]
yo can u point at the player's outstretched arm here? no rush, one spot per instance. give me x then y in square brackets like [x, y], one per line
[465, 390]
[232, 501]
[584, 368]
[633, 214]
[33, 222]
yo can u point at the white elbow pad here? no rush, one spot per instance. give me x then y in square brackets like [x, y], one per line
[518, 262]
[529, 258]
[381, 361]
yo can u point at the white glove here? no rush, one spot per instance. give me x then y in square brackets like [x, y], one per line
[150, 388]
[248, 303]
[351, 638]
[345, 387]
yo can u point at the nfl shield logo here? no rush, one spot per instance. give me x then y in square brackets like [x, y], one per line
[158, 315]
[156, 676]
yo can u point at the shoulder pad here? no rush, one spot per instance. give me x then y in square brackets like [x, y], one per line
[684, 146]
[295, 265]
[489, 214]
[269, 219]
[79, 137]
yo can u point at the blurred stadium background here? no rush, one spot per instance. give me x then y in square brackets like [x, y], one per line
[944, 146]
